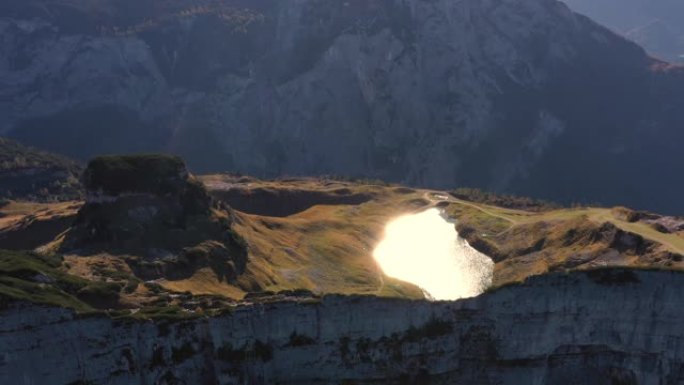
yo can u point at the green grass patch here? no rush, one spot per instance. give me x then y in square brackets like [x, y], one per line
[170, 313]
[34, 278]
[14, 289]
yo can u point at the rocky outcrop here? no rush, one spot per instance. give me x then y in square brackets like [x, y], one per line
[667, 224]
[598, 327]
[129, 197]
[149, 208]
[518, 96]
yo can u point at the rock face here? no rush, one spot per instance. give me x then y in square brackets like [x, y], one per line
[601, 327]
[29, 174]
[518, 96]
[150, 208]
[131, 198]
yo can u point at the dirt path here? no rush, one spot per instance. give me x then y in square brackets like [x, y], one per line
[436, 197]
[672, 242]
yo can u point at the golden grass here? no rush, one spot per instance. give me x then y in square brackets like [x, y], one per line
[17, 211]
[532, 243]
[328, 248]
[32, 208]
[203, 282]
[673, 242]
[29, 225]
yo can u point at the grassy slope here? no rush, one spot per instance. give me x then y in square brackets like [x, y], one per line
[672, 242]
[26, 225]
[50, 280]
[327, 248]
[563, 239]
[31, 278]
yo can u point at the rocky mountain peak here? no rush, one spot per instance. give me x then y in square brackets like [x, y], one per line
[523, 97]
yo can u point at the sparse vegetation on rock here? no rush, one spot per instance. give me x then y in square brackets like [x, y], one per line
[150, 208]
[503, 200]
[157, 249]
[30, 174]
[37, 279]
[155, 174]
[297, 340]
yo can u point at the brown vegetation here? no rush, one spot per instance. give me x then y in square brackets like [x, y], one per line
[317, 235]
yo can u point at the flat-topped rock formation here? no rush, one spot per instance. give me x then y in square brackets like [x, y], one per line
[150, 209]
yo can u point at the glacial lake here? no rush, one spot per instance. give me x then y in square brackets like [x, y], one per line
[426, 250]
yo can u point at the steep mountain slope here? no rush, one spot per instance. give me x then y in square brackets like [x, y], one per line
[655, 24]
[30, 174]
[518, 96]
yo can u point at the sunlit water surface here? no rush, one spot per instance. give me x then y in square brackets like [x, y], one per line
[425, 249]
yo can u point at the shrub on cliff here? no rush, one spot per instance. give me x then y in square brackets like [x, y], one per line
[101, 295]
[297, 340]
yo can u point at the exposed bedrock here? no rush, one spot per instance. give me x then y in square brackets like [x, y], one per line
[599, 327]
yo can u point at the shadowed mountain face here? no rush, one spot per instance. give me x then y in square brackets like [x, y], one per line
[517, 96]
[30, 174]
[655, 24]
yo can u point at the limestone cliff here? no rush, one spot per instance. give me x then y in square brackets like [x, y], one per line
[597, 327]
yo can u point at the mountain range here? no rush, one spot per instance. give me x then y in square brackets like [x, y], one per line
[657, 25]
[524, 97]
[142, 269]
